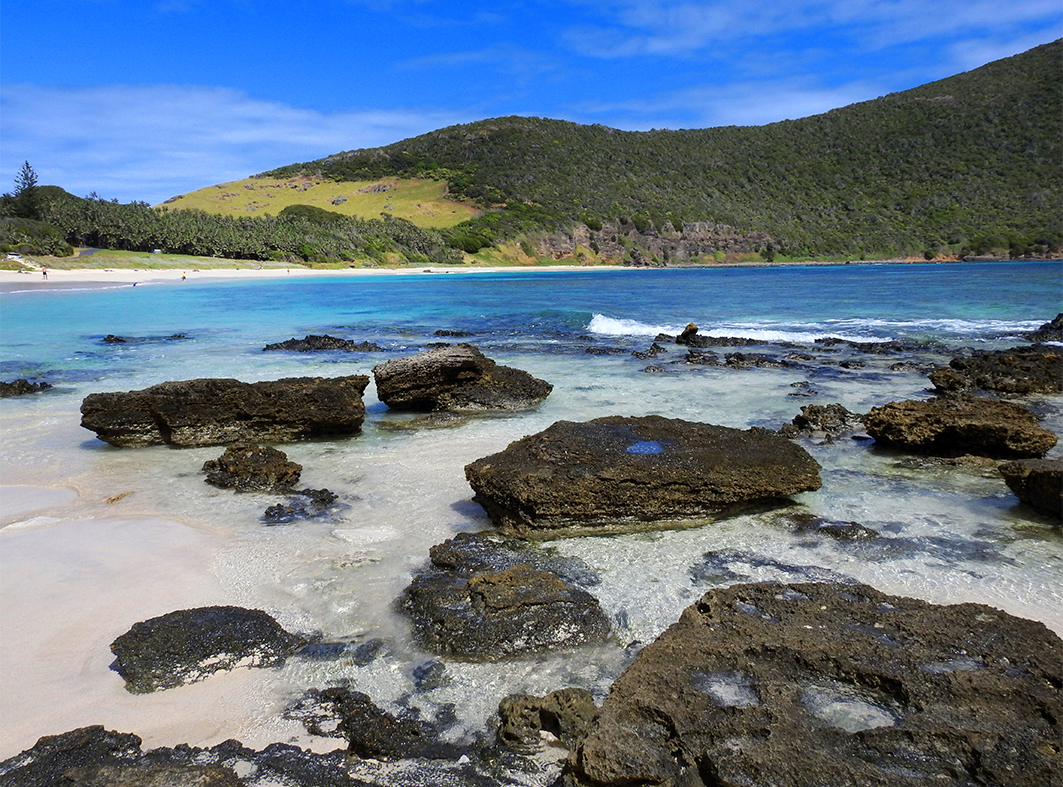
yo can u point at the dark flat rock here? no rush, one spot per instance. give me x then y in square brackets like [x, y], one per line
[960, 424]
[316, 343]
[456, 377]
[1015, 372]
[841, 685]
[22, 387]
[191, 644]
[622, 474]
[222, 411]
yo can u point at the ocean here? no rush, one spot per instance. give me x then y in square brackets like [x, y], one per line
[95, 538]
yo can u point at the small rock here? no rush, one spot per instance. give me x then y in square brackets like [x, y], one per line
[21, 387]
[1037, 482]
[253, 468]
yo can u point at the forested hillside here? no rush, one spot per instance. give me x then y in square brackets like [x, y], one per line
[967, 164]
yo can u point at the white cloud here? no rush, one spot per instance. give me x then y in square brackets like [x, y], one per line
[683, 27]
[735, 104]
[155, 141]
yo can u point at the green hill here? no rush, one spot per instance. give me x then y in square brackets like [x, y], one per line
[971, 163]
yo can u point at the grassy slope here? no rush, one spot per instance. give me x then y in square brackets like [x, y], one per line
[973, 157]
[419, 200]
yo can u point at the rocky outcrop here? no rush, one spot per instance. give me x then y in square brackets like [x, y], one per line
[456, 377]
[191, 644]
[957, 425]
[21, 387]
[220, 411]
[253, 468]
[313, 343]
[1051, 331]
[472, 603]
[96, 757]
[826, 421]
[622, 474]
[566, 714]
[1037, 482]
[794, 685]
[1018, 372]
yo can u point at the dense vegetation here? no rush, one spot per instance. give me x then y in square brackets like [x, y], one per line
[970, 164]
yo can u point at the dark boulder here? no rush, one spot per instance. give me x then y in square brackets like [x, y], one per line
[190, 644]
[1051, 331]
[1016, 372]
[622, 474]
[753, 361]
[253, 468]
[21, 387]
[472, 604]
[826, 421]
[842, 685]
[566, 714]
[220, 411]
[1037, 482]
[314, 343]
[957, 425]
[456, 377]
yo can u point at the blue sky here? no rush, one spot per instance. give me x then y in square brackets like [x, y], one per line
[146, 99]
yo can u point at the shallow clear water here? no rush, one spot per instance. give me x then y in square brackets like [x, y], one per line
[948, 533]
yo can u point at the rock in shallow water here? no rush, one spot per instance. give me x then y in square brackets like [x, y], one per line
[1018, 371]
[220, 411]
[456, 377]
[961, 424]
[191, 644]
[621, 474]
[793, 685]
[253, 468]
[1037, 482]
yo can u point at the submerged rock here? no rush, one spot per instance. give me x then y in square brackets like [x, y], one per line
[191, 644]
[1037, 482]
[792, 685]
[304, 504]
[21, 387]
[253, 468]
[622, 474]
[962, 424]
[221, 411]
[1018, 371]
[477, 601]
[313, 343]
[827, 421]
[456, 377]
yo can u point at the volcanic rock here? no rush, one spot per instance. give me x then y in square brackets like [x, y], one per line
[190, 644]
[1018, 371]
[961, 424]
[829, 421]
[21, 387]
[456, 377]
[472, 605]
[220, 411]
[253, 468]
[801, 684]
[1051, 331]
[314, 343]
[622, 474]
[1037, 482]
[304, 504]
[567, 714]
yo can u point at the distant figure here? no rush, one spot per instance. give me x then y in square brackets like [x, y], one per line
[44, 272]
[182, 275]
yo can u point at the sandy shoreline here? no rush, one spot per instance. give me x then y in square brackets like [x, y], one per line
[58, 278]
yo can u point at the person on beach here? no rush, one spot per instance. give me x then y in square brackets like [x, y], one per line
[44, 272]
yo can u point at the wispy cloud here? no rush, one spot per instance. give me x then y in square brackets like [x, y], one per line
[152, 142]
[674, 28]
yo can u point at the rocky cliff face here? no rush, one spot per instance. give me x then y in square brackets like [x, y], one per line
[625, 243]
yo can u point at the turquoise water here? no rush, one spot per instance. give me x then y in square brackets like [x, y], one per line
[948, 532]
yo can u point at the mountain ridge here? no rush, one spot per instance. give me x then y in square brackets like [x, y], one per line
[969, 163]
